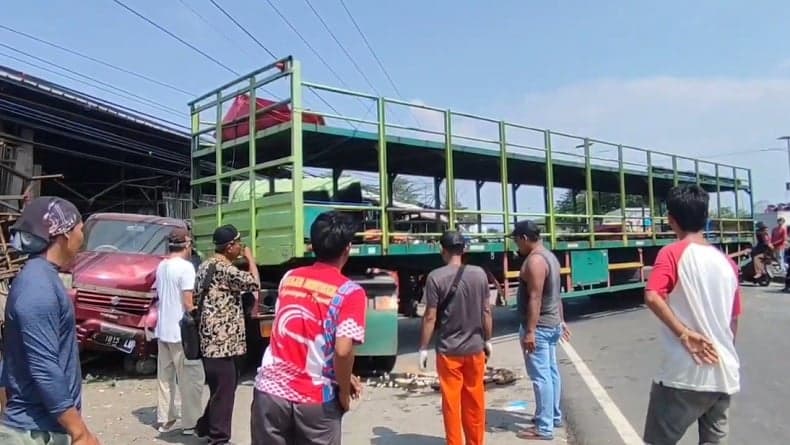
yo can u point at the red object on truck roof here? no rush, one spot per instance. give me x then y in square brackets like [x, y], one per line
[239, 113]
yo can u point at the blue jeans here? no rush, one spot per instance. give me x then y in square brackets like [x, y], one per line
[545, 375]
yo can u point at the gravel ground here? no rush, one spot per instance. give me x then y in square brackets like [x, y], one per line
[123, 411]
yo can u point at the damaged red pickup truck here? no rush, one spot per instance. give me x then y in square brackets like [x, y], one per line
[112, 282]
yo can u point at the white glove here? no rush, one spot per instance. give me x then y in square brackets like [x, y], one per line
[423, 359]
[488, 348]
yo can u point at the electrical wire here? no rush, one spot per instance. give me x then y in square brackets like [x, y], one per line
[82, 155]
[307, 44]
[43, 68]
[100, 82]
[376, 57]
[342, 47]
[211, 25]
[61, 92]
[99, 61]
[81, 131]
[370, 48]
[249, 34]
[171, 34]
[169, 137]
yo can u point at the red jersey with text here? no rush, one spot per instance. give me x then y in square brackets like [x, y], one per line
[316, 304]
[700, 285]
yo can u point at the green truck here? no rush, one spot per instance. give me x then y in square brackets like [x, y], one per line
[263, 162]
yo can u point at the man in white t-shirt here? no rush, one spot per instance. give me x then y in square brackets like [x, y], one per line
[693, 289]
[175, 283]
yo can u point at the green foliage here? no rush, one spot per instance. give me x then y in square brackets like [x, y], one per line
[602, 202]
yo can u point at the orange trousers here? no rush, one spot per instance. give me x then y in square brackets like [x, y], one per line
[463, 397]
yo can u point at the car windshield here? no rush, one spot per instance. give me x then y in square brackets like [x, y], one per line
[126, 237]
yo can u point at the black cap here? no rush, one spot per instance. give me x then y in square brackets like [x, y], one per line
[526, 228]
[47, 217]
[761, 225]
[225, 234]
[452, 238]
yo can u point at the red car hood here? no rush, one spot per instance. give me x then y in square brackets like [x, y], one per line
[127, 271]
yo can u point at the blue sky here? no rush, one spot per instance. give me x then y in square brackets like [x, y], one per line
[696, 78]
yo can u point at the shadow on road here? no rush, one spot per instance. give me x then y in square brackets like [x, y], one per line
[498, 420]
[386, 436]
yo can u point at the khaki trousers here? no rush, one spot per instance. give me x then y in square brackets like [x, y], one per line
[173, 368]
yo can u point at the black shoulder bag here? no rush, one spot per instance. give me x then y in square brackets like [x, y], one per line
[190, 323]
[445, 303]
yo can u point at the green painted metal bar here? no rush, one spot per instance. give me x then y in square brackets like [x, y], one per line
[503, 179]
[588, 194]
[651, 199]
[248, 88]
[384, 200]
[751, 195]
[675, 178]
[218, 160]
[550, 187]
[344, 91]
[252, 73]
[718, 200]
[448, 156]
[621, 169]
[479, 205]
[252, 161]
[696, 171]
[737, 208]
[297, 171]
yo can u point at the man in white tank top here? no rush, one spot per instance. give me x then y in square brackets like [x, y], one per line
[693, 289]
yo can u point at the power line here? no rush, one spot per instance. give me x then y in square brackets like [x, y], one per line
[57, 125]
[82, 155]
[171, 138]
[166, 31]
[106, 90]
[342, 47]
[100, 82]
[240, 26]
[89, 101]
[99, 61]
[370, 48]
[212, 26]
[309, 46]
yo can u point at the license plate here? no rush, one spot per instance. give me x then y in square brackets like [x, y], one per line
[114, 341]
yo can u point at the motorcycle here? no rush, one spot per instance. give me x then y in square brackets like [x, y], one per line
[772, 269]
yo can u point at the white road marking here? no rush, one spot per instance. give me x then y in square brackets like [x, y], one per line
[620, 423]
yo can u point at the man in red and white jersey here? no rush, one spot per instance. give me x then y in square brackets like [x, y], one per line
[693, 289]
[304, 384]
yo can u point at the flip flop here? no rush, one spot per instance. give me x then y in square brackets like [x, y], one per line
[532, 434]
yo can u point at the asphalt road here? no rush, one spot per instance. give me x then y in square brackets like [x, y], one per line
[617, 341]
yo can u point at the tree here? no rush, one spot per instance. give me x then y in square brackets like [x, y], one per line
[602, 202]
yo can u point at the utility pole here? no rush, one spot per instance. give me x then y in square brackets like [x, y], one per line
[787, 140]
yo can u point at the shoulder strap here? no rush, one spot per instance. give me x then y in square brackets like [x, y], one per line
[445, 303]
[204, 286]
